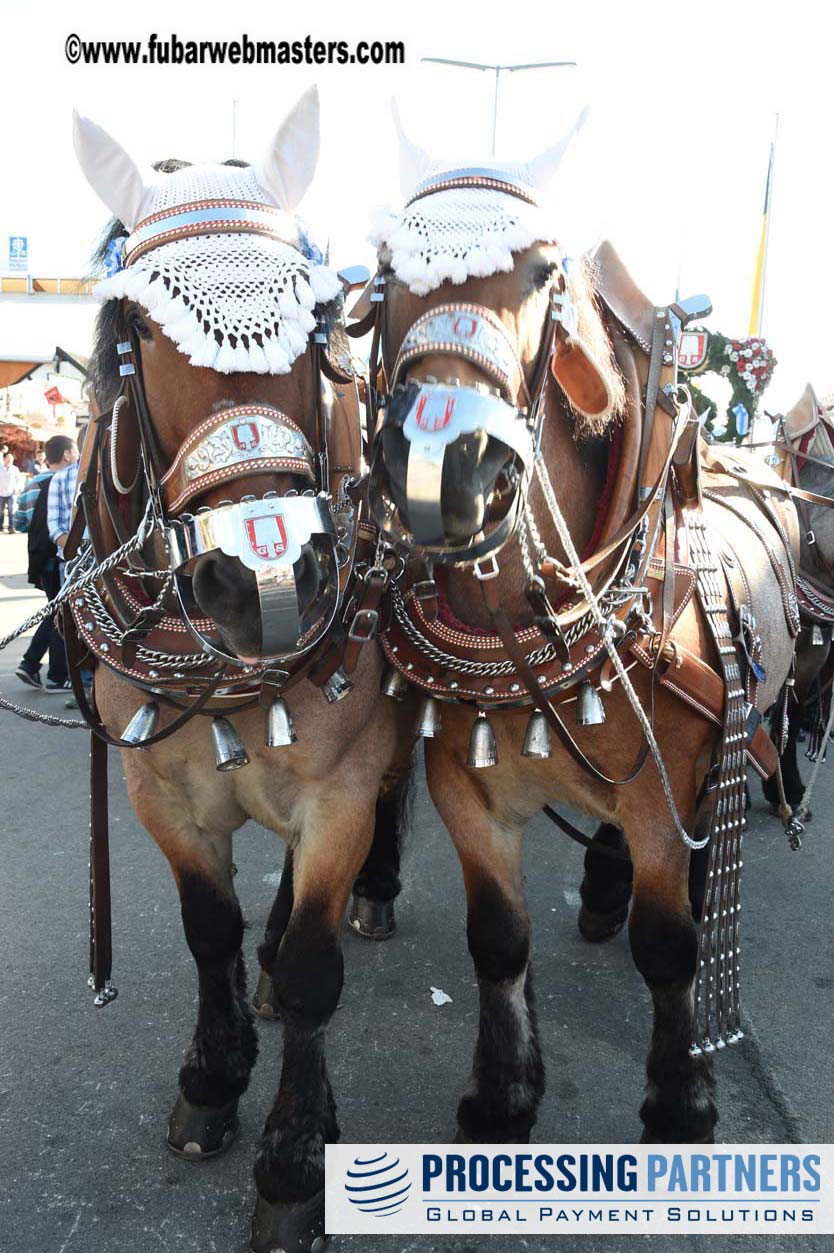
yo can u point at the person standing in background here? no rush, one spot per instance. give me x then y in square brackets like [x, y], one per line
[31, 517]
[11, 482]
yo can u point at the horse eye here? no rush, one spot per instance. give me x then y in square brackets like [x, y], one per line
[137, 323]
[541, 276]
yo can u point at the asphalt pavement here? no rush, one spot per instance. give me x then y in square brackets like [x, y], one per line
[84, 1094]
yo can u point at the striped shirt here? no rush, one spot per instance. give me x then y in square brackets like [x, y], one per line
[60, 502]
[27, 500]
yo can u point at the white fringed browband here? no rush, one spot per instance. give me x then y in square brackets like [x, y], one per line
[216, 272]
[458, 224]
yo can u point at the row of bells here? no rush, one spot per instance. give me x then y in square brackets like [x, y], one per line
[230, 753]
[483, 750]
[229, 750]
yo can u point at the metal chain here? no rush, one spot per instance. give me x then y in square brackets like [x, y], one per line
[485, 669]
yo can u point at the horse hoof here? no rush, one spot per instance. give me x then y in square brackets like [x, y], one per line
[197, 1132]
[264, 999]
[289, 1228]
[373, 920]
[595, 928]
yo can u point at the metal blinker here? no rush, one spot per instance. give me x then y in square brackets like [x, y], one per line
[142, 725]
[336, 687]
[280, 729]
[394, 685]
[229, 753]
[537, 737]
[590, 711]
[483, 750]
[429, 721]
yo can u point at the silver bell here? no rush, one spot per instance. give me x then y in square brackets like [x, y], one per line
[280, 730]
[483, 751]
[229, 753]
[537, 737]
[393, 684]
[590, 711]
[337, 687]
[142, 725]
[817, 637]
[429, 722]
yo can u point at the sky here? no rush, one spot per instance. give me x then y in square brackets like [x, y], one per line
[671, 166]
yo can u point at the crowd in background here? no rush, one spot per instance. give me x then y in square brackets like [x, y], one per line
[38, 501]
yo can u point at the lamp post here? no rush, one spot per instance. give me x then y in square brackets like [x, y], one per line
[496, 70]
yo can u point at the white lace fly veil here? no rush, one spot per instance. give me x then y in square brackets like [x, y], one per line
[472, 231]
[234, 302]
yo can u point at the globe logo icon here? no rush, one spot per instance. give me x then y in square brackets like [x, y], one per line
[378, 1185]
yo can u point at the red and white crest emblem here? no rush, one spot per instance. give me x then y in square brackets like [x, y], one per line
[267, 536]
[465, 326]
[246, 436]
[429, 417]
[692, 349]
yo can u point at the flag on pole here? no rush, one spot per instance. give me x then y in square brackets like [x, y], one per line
[757, 306]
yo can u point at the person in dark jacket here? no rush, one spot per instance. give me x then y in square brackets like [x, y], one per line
[31, 517]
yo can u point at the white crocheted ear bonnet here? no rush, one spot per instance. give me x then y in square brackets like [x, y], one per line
[466, 231]
[235, 299]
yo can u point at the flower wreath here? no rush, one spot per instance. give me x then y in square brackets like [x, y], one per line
[748, 365]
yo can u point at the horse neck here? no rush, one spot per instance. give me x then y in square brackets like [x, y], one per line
[577, 485]
[820, 479]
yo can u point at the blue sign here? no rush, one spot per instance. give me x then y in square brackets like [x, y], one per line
[19, 253]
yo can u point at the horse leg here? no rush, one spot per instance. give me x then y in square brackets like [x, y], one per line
[679, 1106]
[507, 1081]
[217, 1066]
[264, 999]
[307, 975]
[378, 884]
[605, 887]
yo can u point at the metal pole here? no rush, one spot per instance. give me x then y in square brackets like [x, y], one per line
[771, 176]
[511, 69]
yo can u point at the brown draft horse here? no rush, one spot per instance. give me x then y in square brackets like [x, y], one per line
[485, 810]
[321, 795]
[805, 449]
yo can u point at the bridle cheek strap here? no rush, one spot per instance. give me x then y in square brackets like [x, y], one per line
[248, 439]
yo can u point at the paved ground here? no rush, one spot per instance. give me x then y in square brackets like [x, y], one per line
[84, 1094]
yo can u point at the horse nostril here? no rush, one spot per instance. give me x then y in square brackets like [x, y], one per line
[221, 581]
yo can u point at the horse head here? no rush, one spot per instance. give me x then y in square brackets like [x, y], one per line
[482, 317]
[204, 345]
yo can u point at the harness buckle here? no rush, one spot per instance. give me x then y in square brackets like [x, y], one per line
[810, 537]
[364, 626]
[487, 568]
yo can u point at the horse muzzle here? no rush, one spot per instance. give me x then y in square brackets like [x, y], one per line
[288, 544]
[439, 451]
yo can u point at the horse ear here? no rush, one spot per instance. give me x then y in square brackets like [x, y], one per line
[542, 169]
[113, 175]
[580, 377]
[415, 162]
[287, 169]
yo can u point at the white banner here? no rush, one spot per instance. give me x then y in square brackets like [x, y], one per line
[489, 1189]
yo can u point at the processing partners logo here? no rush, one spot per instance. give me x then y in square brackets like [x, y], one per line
[378, 1184]
[579, 1188]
